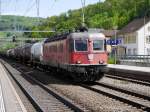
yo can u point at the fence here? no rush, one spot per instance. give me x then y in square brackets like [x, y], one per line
[18, 39]
[136, 60]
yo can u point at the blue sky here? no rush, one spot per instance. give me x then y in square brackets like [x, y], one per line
[47, 7]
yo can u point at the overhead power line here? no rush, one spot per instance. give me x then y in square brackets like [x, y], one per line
[28, 31]
[83, 12]
[38, 10]
[28, 9]
[15, 19]
[38, 7]
[0, 7]
[53, 4]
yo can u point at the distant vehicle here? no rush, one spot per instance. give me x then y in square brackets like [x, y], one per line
[81, 54]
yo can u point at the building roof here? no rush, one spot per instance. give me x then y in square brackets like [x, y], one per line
[133, 26]
[109, 33]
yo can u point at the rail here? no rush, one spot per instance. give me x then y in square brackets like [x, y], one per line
[2, 107]
[53, 96]
[131, 98]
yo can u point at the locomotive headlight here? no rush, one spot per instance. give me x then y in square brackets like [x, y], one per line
[78, 62]
[101, 62]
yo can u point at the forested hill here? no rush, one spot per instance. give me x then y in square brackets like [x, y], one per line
[10, 22]
[105, 15]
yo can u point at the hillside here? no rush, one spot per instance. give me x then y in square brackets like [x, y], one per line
[10, 22]
[105, 15]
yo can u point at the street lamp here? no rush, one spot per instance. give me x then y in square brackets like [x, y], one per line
[83, 8]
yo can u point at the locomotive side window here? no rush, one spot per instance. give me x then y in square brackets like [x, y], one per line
[81, 45]
[71, 45]
[98, 45]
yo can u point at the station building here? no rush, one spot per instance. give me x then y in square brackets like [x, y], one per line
[135, 38]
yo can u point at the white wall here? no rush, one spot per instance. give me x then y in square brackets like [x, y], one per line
[141, 42]
[142, 45]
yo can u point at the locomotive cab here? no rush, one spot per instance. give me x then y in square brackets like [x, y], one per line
[88, 49]
[87, 55]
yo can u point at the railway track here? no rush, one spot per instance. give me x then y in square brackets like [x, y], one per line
[131, 98]
[43, 98]
[129, 80]
[119, 94]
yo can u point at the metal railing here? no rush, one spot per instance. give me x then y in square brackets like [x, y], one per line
[137, 60]
[19, 39]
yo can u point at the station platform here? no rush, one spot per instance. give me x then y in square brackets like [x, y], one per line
[9, 99]
[135, 72]
[128, 67]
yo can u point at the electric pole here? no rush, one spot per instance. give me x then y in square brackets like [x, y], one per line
[0, 9]
[83, 11]
[15, 17]
[38, 9]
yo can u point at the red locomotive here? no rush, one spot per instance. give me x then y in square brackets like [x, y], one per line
[83, 54]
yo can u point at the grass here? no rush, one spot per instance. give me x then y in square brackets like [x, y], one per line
[5, 46]
[111, 60]
[2, 34]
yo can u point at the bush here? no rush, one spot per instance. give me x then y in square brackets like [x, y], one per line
[111, 60]
[7, 46]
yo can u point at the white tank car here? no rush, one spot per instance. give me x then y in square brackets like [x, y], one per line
[8, 52]
[12, 53]
[37, 52]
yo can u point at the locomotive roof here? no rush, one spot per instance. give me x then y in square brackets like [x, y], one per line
[86, 35]
[76, 35]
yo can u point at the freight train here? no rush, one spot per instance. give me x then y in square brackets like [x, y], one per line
[81, 55]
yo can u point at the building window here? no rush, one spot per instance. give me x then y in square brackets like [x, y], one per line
[148, 51]
[126, 40]
[133, 39]
[129, 51]
[134, 51]
[130, 39]
[149, 28]
[148, 39]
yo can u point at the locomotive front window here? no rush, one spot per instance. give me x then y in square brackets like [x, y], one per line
[98, 45]
[81, 45]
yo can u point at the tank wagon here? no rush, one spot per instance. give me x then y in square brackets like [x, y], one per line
[82, 55]
[18, 53]
[23, 53]
[37, 53]
[26, 52]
